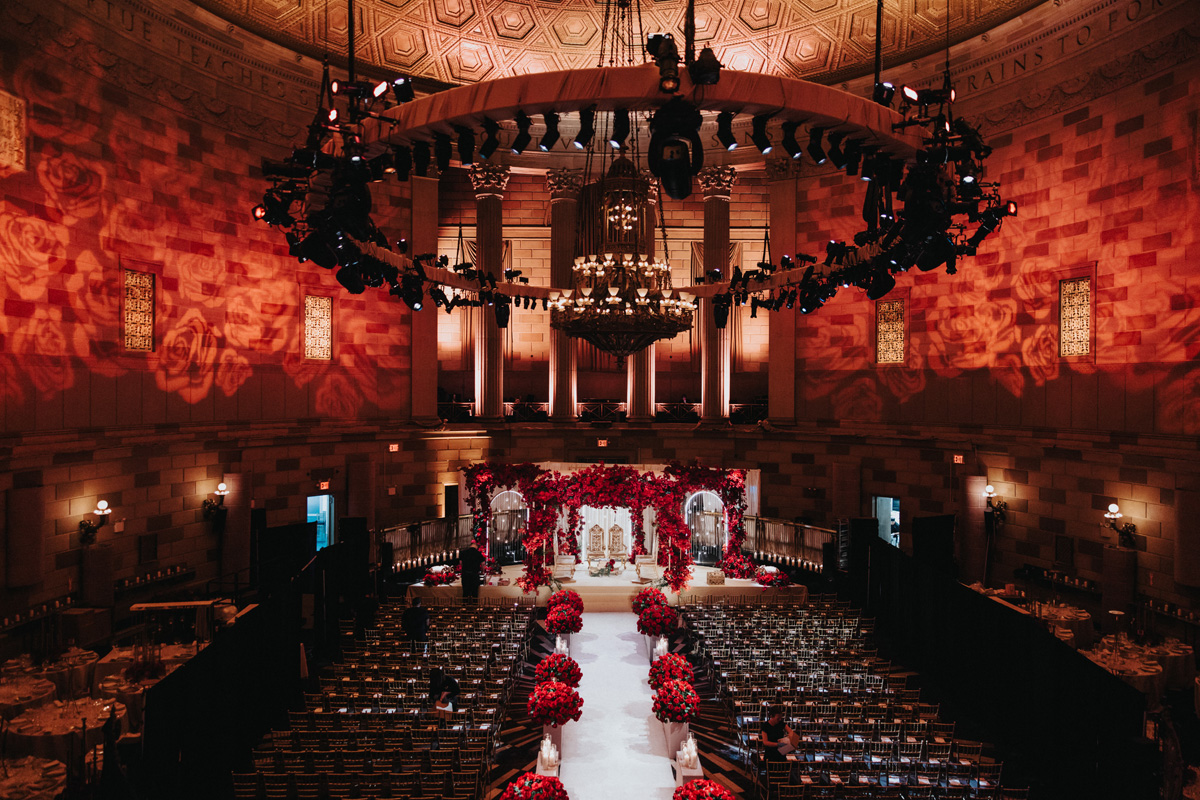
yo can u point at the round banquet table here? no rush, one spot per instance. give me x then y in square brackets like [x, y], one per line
[48, 731]
[1064, 634]
[71, 674]
[1178, 662]
[1076, 620]
[129, 694]
[119, 659]
[20, 692]
[32, 778]
[1145, 676]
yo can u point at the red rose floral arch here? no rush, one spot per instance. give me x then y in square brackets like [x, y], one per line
[601, 486]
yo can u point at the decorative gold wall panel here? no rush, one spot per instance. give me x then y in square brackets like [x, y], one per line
[318, 328]
[1075, 317]
[139, 311]
[12, 133]
[889, 331]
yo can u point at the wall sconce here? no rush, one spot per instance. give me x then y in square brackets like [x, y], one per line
[1126, 531]
[211, 506]
[995, 507]
[89, 526]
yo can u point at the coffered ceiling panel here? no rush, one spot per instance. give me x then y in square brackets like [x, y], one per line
[463, 41]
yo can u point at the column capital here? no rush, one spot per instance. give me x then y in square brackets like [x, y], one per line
[716, 181]
[489, 180]
[781, 168]
[564, 183]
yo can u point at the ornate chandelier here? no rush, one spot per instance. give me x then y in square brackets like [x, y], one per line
[621, 299]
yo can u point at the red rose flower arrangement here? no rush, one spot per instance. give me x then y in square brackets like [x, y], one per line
[531, 786]
[648, 597]
[736, 565]
[702, 789]
[554, 703]
[490, 567]
[563, 619]
[657, 620]
[671, 667]
[777, 578]
[443, 577]
[567, 598]
[558, 667]
[676, 701]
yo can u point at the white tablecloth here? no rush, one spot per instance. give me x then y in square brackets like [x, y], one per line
[1128, 665]
[32, 778]
[48, 731]
[71, 674]
[119, 659]
[1178, 662]
[1076, 620]
[21, 692]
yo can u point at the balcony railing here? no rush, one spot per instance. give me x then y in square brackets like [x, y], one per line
[747, 413]
[677, 412]
[600, 411]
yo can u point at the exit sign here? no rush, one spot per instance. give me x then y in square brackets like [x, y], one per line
[958, 459]
[393, 448]
[323, 486]
[602, 443]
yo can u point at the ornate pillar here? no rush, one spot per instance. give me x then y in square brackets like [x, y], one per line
[782, 183]
[640, 367]
[424, 360]
[488, 180]
[564, 186]
[714, 342]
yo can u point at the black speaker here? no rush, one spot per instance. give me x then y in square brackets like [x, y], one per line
[933, 541]
[355, 548]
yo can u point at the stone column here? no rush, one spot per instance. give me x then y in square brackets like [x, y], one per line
[640, 367]
[782, 175]
[564, 186]
[424, 359]
[488, 180]
[714, 342]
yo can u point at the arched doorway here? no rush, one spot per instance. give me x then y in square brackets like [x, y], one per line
[509, 515]
[704, 514]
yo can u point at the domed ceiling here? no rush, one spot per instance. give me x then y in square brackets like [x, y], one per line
[465, 41]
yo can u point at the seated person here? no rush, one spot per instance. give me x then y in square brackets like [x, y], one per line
[443, 692]
[778, 739]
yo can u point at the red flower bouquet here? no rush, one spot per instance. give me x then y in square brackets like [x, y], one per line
[531, 786]
[554, 703]
[567, 598]
[648, 597]
[736, 565]
[657, 620]
[558, 667]
[702, 789]
[563, 619]
[490, 567]
[671, 667]
[777, 578]
[676, 701]
[443, 577]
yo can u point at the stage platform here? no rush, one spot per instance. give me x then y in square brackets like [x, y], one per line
[613, 592]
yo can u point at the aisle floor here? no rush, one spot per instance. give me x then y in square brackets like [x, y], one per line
[617, 749]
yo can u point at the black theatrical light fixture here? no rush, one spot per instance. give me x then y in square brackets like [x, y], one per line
[466, 145]
[403, 89]
[550, 138]
[705, 70]
[869, 168]
[351, 279]
[758, 133]
[853, 153]
[789, 139]
[883, 93]
[379, 90]
[835, 150]
[402, 159]
[721, 305]
[661, 47]
[620, 128]
[924, 98]
[491, 139]
[523, 138]
[815, 151]
[259, 211]
[332, 116]
[725, 130]
[587, 128]
[420, 158]
[882, 281]
[791, 298]
[316, 249]
[442, 150]
[503, 309]
[835, 252]
[939, 247]
[438, 295]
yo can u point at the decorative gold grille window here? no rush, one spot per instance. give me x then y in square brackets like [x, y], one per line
[139, 311]
[1075, 317]
[318, 327]
[889, 331]
[12, 133]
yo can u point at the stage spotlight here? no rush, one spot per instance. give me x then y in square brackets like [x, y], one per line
[1010, 208]
[620, 128]
[316, 249]
[550, 138]
[725, 130]
[758, 133]
[332, 116]
[661, 47]
[438, 295]
[882, 281]
[503, 310]
[939, 248]
[491, 140]
[927, 97]
[815, 151]
[523, 138]
[351, 279]
[853, 153]
[378, 90]
[835, 150]
[789, 139]
[883, 94]
[721, 305]
[442, 151]
[705, 70]
[587, 128]
[403, 89]
[420, 158]
[835, 252]
[466, 146]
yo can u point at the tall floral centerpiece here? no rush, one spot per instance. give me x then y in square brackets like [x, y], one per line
[674, 705]
[671, 667]
[657, 620]
[563, 619]
[532, 786]
[568, 598]
[553, 704]
[558, 667]
[702, 789]
[648, 597]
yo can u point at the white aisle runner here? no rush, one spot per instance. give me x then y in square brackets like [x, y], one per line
[617, 749]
